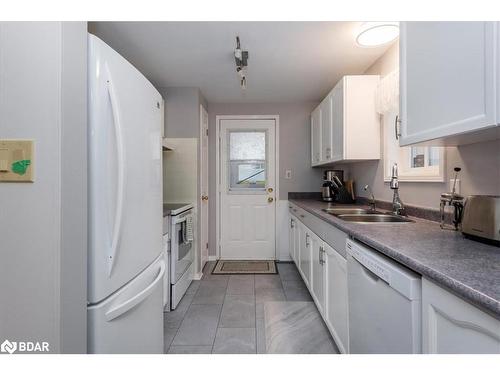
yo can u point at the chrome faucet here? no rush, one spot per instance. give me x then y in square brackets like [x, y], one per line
[398, 207]
[372, 197]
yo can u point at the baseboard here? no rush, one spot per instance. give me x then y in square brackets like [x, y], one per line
[198, 276]
[211, 258]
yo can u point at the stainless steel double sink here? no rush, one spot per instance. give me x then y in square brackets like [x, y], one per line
[362, 215]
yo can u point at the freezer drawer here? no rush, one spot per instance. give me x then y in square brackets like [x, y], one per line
[130, 320]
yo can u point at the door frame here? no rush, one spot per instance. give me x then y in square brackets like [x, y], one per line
[200, 200]
[218, 119]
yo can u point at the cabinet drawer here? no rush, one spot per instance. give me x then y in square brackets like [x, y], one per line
[327, 232]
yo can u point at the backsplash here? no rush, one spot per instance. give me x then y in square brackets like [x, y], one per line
[480, 163]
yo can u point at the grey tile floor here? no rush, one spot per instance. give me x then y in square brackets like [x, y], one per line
[225, 313]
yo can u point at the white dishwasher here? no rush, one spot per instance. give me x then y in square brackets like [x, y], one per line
[384, 303]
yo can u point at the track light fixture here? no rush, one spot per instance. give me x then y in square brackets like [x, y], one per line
[241, 59]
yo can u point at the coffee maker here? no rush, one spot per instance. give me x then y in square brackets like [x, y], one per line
[330, 187]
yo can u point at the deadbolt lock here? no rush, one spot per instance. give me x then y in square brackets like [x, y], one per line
[204, 197]
[270, 190]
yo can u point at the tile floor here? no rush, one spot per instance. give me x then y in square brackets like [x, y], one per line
[225, 313]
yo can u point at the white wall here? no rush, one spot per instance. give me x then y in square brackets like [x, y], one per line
[480, 163]
[182, 120]
[294, 149]
[182, 111]
[43, 249]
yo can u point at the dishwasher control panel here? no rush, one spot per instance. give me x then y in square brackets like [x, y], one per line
[397, 276]
[369, 263]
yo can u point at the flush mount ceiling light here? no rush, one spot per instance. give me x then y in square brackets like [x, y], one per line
[374, 34]
[241, 59]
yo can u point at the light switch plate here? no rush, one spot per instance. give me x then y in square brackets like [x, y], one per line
[16, 160]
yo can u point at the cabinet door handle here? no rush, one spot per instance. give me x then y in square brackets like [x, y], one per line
[396, 121]
[307, 240]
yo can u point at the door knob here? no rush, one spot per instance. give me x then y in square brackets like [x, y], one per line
[270, 199]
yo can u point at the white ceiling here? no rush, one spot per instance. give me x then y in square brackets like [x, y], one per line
[288, 61]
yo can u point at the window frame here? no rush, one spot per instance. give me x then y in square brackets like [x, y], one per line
[247, 190]
[405, 172]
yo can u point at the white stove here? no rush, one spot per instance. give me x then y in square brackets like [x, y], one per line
[179, 250]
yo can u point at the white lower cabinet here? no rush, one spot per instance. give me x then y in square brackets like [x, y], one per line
[449, 324]
[324, 272]
[305, 254]
[453, 326]
[296, 242]
[291, 238]
[318, 274]
[335, 290]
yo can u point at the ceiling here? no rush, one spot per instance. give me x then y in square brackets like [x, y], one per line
[288, 61]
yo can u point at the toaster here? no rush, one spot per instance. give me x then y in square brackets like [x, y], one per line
[481, 218]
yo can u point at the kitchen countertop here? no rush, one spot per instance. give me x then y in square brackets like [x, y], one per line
[174, 208]
[468, 268]
[166, 210]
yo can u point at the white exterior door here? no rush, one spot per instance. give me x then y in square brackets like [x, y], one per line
[247, 189]
[203, 204]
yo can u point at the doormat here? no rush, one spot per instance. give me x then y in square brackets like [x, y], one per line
[228, 267]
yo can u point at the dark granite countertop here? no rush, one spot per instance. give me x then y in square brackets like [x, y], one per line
[467, 268]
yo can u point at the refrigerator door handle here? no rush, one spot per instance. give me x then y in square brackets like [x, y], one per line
[120, 196]
[137, 299]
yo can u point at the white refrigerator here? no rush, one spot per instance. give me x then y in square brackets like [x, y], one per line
[125, 260]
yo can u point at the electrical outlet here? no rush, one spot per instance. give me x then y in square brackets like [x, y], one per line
[288, 174]
[457, 185]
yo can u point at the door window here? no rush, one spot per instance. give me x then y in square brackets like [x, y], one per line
[247, 160]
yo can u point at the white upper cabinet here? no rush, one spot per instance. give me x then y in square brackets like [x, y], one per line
[349, 125]
[326, 129]
[316, 136]
[447, 82]
[337, 96]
